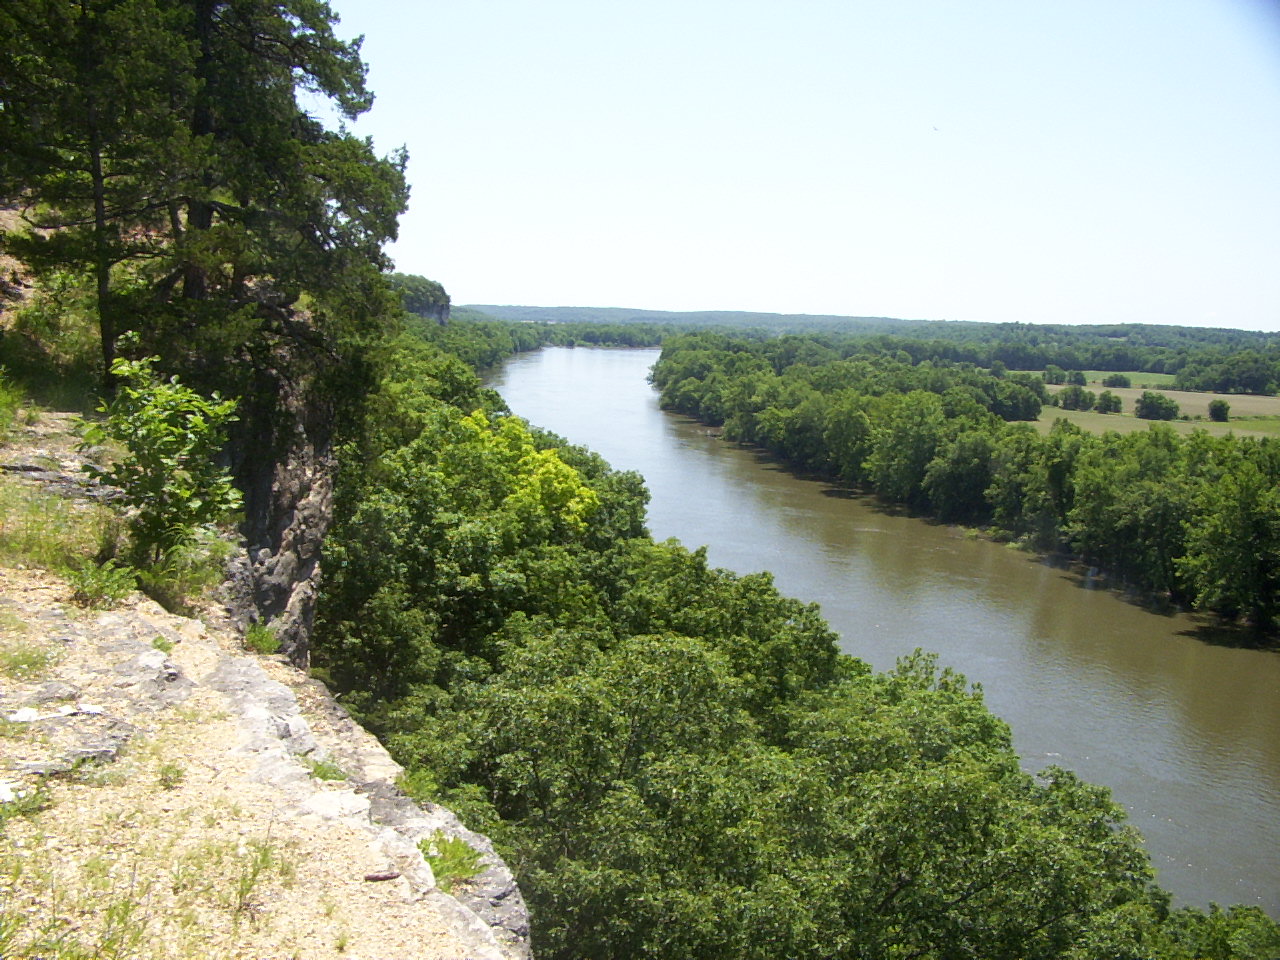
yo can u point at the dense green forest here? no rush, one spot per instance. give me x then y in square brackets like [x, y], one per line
[675, 760]
[1196, 518]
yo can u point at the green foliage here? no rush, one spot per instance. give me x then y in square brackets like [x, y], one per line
[1232, 561]
[1237, 933]
[170, 475]
[103, 585]
[1155, 406]
[1117, 380]
[675, 760]
[260, 638]
[1075, 397]
[325, 769]
[187, 572]
[1107, 402]
[420, 296]
[184, 191]
[452, 859]
[10, 401]
[1219, 410]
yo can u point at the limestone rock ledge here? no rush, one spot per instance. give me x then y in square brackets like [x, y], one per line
[168, 760]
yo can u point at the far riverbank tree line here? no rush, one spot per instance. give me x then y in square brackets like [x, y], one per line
[1194, 517]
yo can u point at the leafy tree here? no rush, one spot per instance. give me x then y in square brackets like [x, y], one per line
[1117, 380]
[1219, 410]
[165, 142]
[171, 475]
[957, 478]
[1232, 562]
[92, 142]
[1155, 406]
[421, 296]
[1107, 402]
[1075, 397]
[906, 441]
[1054, 374]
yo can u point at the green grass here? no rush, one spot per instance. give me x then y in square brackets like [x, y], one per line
[21, 660]
[1137, 379]
[1127, 423]
[452, 859]
[260, 638]
[43, 530]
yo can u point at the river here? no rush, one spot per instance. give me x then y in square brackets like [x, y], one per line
[1185, 733]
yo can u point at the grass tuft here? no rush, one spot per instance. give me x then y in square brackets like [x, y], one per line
[452, 859]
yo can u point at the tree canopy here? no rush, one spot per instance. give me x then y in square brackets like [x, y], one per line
[162, 147]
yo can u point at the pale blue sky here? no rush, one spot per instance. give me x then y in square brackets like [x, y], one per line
[1038, 160]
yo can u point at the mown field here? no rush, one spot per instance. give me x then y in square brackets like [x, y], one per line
[1250, 415]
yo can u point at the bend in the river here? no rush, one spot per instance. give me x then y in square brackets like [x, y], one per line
[1186, 734]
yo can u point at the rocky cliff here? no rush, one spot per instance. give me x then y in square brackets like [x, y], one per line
[163, 790]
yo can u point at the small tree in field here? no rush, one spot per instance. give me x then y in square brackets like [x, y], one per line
[1219, 410]
[1155, 406]
[170, 474]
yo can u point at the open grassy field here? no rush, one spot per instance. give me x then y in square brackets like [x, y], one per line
[1152, 381]
[1250, 415]
[1140, 380]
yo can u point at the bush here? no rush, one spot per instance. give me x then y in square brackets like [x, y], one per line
[100, 585]
[451, 858]
[261, 639]
[170, 474]
[1219, 410]
[1155, 406]
[1107, 402]
[1117, 380]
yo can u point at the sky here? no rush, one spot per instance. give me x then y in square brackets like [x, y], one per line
[1042, 161]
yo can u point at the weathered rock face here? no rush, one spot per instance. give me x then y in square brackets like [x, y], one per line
[283, 461]
[214, 749]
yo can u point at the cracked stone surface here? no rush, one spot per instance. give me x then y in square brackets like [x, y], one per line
[149, 731]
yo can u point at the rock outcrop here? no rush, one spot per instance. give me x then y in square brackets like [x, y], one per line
[159, 730]
[190, 785]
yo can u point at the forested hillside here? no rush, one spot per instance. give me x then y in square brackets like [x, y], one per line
[1196, 517]
[675, 759]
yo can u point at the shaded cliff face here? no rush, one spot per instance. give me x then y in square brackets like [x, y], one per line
[282, 458]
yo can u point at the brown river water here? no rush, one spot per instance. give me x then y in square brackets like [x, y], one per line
[1185, 732]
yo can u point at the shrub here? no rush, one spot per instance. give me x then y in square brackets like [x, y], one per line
[1107, 402]
[170, 473]
[1219, 410]
[1155, 406]
[451, 858]
[261, 639]
[100, 585]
